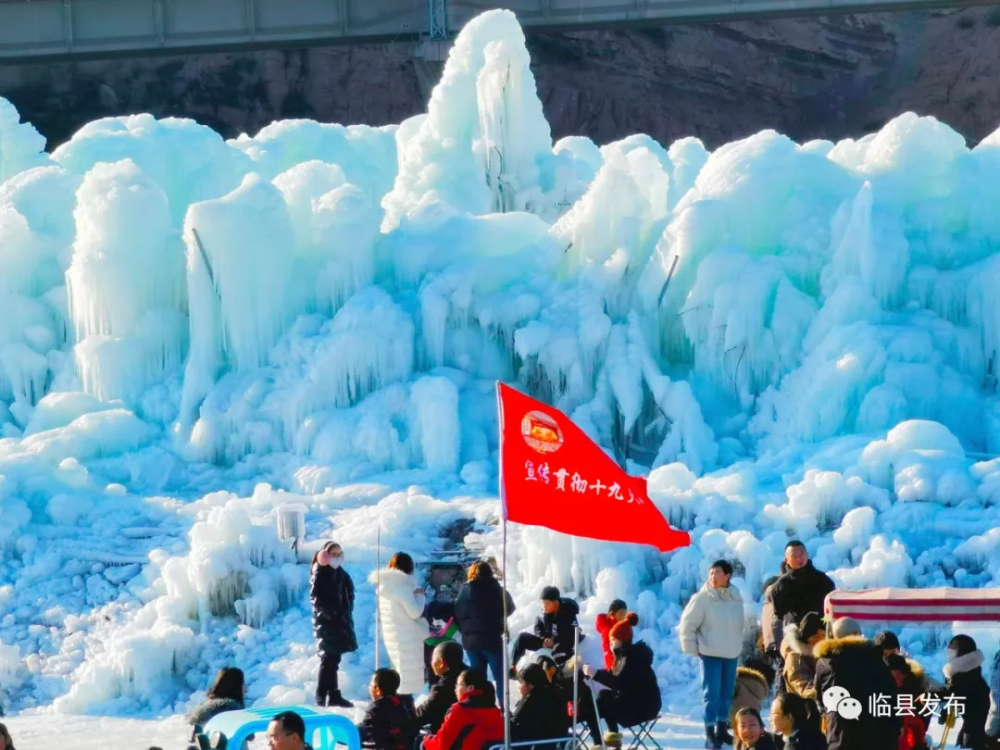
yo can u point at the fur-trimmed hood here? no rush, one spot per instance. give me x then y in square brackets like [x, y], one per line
[968, 663]
[751, 674]
[201, 715]
[836, 646]
[916, 670]
[792, 641]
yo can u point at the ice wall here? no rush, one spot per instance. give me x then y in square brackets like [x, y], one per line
[125, 284]
[789, 339]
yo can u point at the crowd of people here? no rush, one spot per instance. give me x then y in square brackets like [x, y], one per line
[797, 659]
[801, 657]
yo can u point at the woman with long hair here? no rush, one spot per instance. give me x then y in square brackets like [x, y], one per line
[797, 719]
[479, 614]
[404, 629]
[227, 693]
[332, 592]
[6, 743]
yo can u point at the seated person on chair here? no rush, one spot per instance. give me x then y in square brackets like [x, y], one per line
[562, 683]
[287, 731]
[474, 722]
[388, 723]
[633, 696]
[554, 629]
[447, 663]
[540, 714]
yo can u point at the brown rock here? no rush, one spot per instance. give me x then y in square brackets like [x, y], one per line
[812, 77]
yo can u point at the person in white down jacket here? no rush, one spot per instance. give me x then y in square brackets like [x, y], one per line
[711, 628]
[404, 629]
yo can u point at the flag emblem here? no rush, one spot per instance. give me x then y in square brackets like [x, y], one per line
[541, 432]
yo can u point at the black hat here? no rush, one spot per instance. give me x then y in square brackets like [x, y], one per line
[550, 594]
[887, 641]
[810, 625]
[897, 664]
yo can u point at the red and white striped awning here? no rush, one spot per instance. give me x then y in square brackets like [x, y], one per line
[916, 605]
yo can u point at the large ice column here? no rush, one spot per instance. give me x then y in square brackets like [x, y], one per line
[367, 345]
[746, 321]
[918, 164]
[336, 226]
[239, 265]
[437, 430]
[190, 162]
[38, 207]
[485, 141]
[125, 283]
[612, 230]
[871, 245]
[367, 155]
[21, 146]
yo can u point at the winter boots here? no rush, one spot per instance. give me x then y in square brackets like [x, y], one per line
[336, 700]
[711, 740]
[722, 735]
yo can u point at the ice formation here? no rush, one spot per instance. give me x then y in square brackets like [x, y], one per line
[789, 340]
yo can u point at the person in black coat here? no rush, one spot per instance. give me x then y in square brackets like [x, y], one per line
[539, 714]
[634, 694]
[447, 663]
[561, 680]
[388, 723]
[479, 614]
[798, 720]
[801, 589]
[332, 592]
[855, 664]
[966, 687]
[554, 628]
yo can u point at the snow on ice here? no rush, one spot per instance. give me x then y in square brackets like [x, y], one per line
[790, 340]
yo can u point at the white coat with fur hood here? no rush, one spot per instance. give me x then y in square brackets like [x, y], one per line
[404, 628]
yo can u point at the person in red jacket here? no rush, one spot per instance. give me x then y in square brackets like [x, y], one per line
[913, 735]
[475, 721]
[616, 613]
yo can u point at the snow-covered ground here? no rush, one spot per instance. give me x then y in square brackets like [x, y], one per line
[789, 340]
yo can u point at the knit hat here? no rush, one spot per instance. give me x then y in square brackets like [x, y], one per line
[810, 625]
[622, 631]
[550, 594]
[844, 627]
[887, 641]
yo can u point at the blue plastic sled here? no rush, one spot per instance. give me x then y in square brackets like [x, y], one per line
[324, 731]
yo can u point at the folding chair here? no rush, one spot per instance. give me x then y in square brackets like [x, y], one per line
[642, 736]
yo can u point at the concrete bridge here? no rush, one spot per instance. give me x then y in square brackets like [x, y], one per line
[36, 30]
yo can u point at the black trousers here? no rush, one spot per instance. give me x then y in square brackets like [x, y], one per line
[329, 684]
[429, 677]
[530, 642]
[615, 712]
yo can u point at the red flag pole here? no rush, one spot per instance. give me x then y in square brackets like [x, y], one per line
[503, 575]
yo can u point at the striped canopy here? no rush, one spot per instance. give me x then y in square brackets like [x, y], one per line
[916, 605]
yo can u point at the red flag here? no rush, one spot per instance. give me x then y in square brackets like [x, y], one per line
[553, 475]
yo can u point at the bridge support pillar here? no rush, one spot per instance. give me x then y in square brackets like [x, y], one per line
[437, 26]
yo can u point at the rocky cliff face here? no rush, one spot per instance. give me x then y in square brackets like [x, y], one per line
[811, 77]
